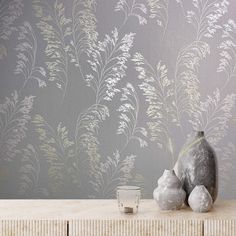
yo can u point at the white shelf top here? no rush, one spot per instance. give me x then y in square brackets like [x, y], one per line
[104, 209]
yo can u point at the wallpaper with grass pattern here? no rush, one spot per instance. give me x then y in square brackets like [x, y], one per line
[100, 93]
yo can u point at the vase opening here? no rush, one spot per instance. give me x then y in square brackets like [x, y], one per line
[169, 172]
[200, 133]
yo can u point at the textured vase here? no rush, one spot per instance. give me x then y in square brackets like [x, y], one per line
[200, 199]
[169, 194]
[197, 165]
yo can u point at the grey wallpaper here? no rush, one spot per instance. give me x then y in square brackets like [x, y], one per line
[100, 93]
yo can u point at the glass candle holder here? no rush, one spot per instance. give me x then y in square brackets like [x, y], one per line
[128, 199]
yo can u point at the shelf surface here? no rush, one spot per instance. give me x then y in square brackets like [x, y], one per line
[104, 209]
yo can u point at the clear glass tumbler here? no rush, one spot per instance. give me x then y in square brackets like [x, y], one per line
[128, 199]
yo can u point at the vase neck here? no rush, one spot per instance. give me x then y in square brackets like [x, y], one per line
[200, 134]
[169, 172]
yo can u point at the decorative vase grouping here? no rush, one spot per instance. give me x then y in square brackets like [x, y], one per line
[194, 179]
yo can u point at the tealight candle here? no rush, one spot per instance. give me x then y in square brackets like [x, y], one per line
[128, 199]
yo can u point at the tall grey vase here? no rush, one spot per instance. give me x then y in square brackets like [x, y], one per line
[197, 165]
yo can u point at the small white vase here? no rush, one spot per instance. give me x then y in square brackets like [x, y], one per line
[169, 194]
[200, 199]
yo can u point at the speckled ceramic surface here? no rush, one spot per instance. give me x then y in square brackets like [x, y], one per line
[197, 165]
[200, 199]
[169, 194]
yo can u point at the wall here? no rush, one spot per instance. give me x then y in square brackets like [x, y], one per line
[95, 94]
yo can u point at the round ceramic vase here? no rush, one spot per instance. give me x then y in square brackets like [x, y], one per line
[197, 165]
[169, 194]
[200, 199]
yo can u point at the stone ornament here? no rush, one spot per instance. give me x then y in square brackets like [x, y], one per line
[200, 199]
[169, 194]
[197, 165]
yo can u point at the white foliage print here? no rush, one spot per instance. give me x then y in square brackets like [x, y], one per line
[228, 50]
[87, 127]
[58, 150]
[186, 80]
[10, 10]
[214, 115]
[159, 11]
[14, 117]
[55, 28]
[132, 8]
[158, 92]
[108, 65]
[27, 50]
[84, 35]
[181, 3]
[29, 174]
[205, 16]
[129, 110]
[112, 173]
[226, 165]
